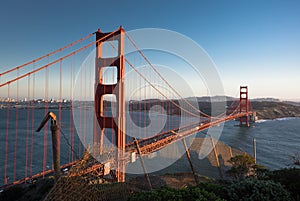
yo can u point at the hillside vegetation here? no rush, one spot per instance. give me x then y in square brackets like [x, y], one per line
[273, 110]
[265, 109]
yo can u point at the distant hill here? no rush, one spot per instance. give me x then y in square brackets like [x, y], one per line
[292, 103]
[266, 108]
[273, 110]
[266, 99]
[212, 99]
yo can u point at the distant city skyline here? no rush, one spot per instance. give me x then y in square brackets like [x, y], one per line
[254, 43]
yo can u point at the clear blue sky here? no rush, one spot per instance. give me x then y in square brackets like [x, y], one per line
[252, 42]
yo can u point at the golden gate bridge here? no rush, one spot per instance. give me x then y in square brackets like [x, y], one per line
[53, 75]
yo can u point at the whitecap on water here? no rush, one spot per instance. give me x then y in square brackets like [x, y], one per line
[262, 120]
[285, 118]
[278, 119]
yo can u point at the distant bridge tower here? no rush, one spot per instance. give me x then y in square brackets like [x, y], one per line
[244, 106]
[115, 123]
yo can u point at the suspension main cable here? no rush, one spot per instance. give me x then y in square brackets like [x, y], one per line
[47, 55]
[235, 110]
[57, 60]
[157, 72]
[144, 78]
[173, 102]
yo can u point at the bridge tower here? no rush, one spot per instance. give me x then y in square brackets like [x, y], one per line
[115, 123]
[244, 105]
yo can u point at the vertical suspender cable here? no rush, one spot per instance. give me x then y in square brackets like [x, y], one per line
[85, 107]
[16, 137]
[140, 109]
[6, 135]
[80, 113]
[32, 121]
[70, 128]
[71, 114]
[60, 92]
[91, 95]
[145, 110]
[114, 133]
[45, 128]
[60, 103]
[27, 127]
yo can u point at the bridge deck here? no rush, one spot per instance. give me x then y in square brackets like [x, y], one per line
[147, 146]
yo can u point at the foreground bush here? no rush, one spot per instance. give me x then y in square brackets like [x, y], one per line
[12, 193]
[218, 188]
[244, 166]
[289, 178]
[257, 190]
[166, 193]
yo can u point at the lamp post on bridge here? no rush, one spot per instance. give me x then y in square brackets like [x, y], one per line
[55, 142]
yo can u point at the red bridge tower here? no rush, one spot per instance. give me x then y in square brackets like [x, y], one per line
[115, 123]
[244, 106]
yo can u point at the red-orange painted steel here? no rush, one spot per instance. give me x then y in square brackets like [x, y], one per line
[53, 62]
[244, 105]
[38, 175]
[46, 55]
[116, 123]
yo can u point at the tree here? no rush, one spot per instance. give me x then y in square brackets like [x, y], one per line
[244, 166]
[289, 178]
[192, 193]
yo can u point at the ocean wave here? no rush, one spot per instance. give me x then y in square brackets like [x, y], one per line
[262, 120]
[278, 119]
[285, 118]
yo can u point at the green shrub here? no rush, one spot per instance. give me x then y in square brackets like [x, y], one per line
[257, 190]
[166, 193]
[11, 193]
[217, 188]
[44, 186]
[244, 166]
[290, 178]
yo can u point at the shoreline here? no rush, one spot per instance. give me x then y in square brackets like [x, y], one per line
[277, 119]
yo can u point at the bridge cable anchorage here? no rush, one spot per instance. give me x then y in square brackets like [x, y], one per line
[57, 60]
[47, 55]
